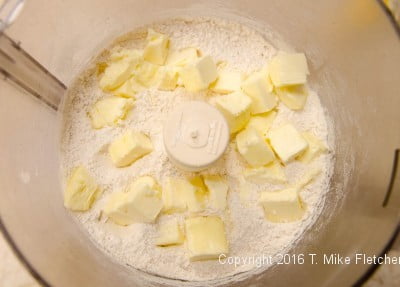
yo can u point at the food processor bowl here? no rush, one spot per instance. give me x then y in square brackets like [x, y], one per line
[354, 57]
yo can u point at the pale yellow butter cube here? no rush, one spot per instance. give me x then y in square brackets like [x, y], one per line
[218, 191]
[172, 71]
[192, 197]
[227, 82]
[182, 57]
[135, 85]
[315, 148]
[287, 142]
[125, 91]
[122, 54]
[201, 190]
[140, 203]
[253, 147]
[180, 195]
[115, 75]
[172, 196]
[262, 123]
[206, 238]
[179, 83]
[170, 233]
[118, 72]
[110, 111]
[156, 50]
[199, 74]
[166, 79]
[282, 206]
[288, 69]
[259, 89]
[145, 74]
[294, 97]
[308, 177]
[236, 109]
[81, 190]
[272, 173]
[129, 147]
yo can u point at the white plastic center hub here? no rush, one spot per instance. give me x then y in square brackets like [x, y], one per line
[195, 136]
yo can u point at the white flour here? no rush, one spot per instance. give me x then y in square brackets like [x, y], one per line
[249, 234]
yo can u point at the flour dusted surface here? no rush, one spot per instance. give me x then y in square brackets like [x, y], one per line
[249, 234]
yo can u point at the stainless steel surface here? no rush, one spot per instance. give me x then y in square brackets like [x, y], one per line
[22, 70]
[354, 56]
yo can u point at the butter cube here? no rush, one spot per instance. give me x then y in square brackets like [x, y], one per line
[288, 69]
[118, 72]
[199, 74]
[180, 195]
[262, 123]
[179, 83]
[201, 190]
[272, 173]
[173, 194]
[170, 233]
[287, 142]
[259, 89]
[145, 73]
[227, 82]
[110, 111]
[294, 97]
[81, 190]
[206, 238]
[218, 190]
[182, 57]
[166, 79]
[236, 109]
[254, 149]
[135, 85]
[282, 206]
[140, 203]
[129, 147]
[315, 148]
[124, 54]
[156, 50]
[308, 177]
[125, 91]
[194, 198]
